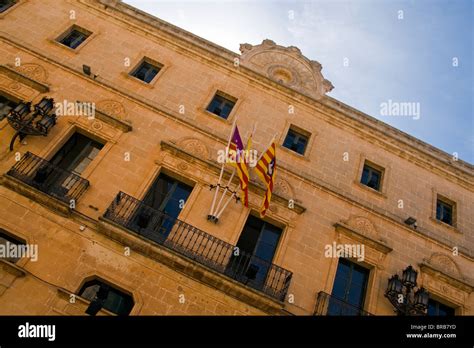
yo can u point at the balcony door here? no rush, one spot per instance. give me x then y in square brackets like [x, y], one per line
[256, 248]
[76, 154]
[349, 289]
[61, 174]
[157, 213]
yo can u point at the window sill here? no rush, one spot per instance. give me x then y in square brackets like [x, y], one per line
[67, 48]
[64, 306]
[8, 10]
[217, 117]
[369, 189]
[445, 225]
[150, 85]
[293, 153]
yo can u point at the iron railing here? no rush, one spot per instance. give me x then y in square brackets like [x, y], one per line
[330, 305]
[48, 178]
[199, 246]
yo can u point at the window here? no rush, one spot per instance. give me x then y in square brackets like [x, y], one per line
[74, 37]
[56, 177]
[437, 308]
[76, 154]
[161, 207]
[146, 71]
[371, 176]
[296, 141]
[105, 296]
[445, 210]
[221, 105]
[5, 241]
[5, 106]
[350, 286]
[6, 4]
[257, 245]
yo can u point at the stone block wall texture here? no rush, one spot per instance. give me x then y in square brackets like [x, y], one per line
[172, 110]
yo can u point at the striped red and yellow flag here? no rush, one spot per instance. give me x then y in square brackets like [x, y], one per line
[238, 159]
[266, 170]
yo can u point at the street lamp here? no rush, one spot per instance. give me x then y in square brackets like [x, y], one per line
[28, 122]
[399, 293]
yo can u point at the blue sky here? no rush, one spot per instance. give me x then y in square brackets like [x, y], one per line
[369, 50]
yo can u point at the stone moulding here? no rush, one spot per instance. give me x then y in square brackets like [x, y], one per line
[113, 121]
[441, 265]
[352, 233]
[8, 273]
[62, 305]
[40, 197]
[287, 66]
[24, 79]
[190, 268]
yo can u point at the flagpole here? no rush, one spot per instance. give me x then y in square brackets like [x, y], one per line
[236, 186]
[233, 173]
[222, 168]
[225, 191]
[225, 205]
[271, 142]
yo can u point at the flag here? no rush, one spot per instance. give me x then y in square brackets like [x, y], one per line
[237, 159]
[266, 170]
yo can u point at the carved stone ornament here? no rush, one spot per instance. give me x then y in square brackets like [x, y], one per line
[194, 146]
[362, 225]
[446, 264]
[287, 66]
[283, 188]
[112, 107]
[34, 71]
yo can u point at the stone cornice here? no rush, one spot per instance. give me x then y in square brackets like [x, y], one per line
[189, 267]
[42, 198]
[113, 121]
[462, 284]
[427, 155]
[351, 232]
[23, 79]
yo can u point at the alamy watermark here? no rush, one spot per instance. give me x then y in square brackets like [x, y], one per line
[392, 108]
[37, 331]
[356, 251]
[69, 108]
[239, 156]
[18, 251]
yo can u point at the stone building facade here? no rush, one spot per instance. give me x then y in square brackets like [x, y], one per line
[151, 87]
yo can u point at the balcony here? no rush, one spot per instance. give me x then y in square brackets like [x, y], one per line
[330, 305]
[48, 178]
[199, 246]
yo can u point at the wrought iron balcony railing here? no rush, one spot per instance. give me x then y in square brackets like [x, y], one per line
[199, 246]
[48, 178]
[331, 305]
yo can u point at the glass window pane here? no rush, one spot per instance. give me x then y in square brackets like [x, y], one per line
[295, 141]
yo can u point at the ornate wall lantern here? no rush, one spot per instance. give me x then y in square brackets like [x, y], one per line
[399, 293]
[26, 122]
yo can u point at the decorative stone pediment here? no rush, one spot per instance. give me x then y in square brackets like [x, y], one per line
[287, 66]
[194, 146]
[362, 225]
[34, 71]
[445, 264]
[442, 277]
[360, 230]
[112, 108]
